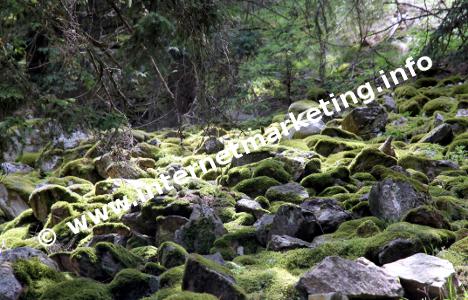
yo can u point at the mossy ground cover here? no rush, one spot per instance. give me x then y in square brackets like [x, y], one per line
[331, 164]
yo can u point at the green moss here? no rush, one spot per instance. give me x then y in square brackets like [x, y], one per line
[340, 133]
[316, 93]
[326, 145]
[313, 166]
[295, 143]
[411, 107]
[460, 89]
[406, 91]
[146, 252]
[457, 254]
[425, 82]
[444, 104]
[77, 289]
[185, 295]
[333, 190]
[35, 277]
[263, 201]
[450, 80]
[228, 243]
[29, 158]
[272, 168]
[267, 283]
[369, 158]
[171, 255]
[23, 184]
[237, 174]
[363, 176]
[130, 282]
[83, 168]
[119, 253]
[256, 186]
[172, 277]
[323, 180]
[418, 163]
[454, 209]
[381, 173]
[155, 269]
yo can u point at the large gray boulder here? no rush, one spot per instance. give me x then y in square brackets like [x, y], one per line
[361, 279]
[10, 287]
[366, 121]
[203, 275]
[424, 275]
[11, 203]
[390, 199]
[294, 221]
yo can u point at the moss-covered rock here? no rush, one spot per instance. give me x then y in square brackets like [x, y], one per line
[369, 158]
[35, 277]
[405, 91]
[316, 93]
[171, 255]
[425, 82]
[132, 284]
[319, 182]
[200, 270]
[42, 199]
[256, 186]
[83, 168]
[409, 106]
[272, 168]
[77, 289]
[229, 245]
[443, 104]
[172, 277]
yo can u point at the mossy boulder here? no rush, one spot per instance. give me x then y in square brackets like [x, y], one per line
[338, 132]
[82, 168]
[290, 192]
[369, 158]
[405, 92]
[427, 215]
[425, 82]
[272, 168]
[430, 167]
[171, 255]
[409, 106]
[241, 241]
[131, 284]
[321, 181]
[316, 93]
[35, 277]
[200, 270]
[443, 104]
[199, 234]
[256, 186]
[42, 199]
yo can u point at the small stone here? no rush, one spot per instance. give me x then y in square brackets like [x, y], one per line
[285, 242]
